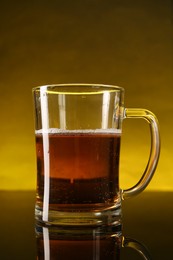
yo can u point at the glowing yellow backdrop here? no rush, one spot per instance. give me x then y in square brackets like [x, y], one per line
[126, 43]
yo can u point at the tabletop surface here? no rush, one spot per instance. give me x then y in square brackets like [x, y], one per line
[147, 218]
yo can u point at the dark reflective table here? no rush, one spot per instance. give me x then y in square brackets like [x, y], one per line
[147, 224]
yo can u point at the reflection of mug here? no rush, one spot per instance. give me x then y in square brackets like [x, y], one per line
[84, 244]
[78, 132]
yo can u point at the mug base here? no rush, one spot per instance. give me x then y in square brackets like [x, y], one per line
[108, 216]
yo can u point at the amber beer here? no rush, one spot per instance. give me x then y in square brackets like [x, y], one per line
[83, 168]
[52, 245]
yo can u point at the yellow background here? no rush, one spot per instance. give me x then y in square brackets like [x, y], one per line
[126, 43]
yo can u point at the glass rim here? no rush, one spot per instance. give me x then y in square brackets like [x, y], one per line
[91, 88]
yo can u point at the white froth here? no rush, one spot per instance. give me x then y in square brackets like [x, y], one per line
[79, 131]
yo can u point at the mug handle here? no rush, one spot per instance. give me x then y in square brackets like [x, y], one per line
[154, 151]
[139, 247]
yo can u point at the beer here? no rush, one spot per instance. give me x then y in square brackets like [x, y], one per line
[107, 248]
[81, 167]
[78, 244]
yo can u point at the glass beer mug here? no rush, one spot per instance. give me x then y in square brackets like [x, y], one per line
[78, 132]
[96, 243]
